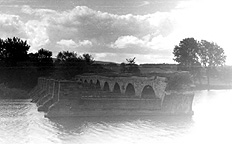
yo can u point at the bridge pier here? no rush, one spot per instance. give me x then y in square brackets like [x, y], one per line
[121, 86]
[138, 90]
[111, 86]
[102, 83]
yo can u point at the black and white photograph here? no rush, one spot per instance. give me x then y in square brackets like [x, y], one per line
[115, 71]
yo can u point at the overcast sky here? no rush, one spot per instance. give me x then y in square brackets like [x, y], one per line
[113, 30]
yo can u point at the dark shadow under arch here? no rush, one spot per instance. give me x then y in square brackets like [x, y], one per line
[91, 82]
[130, 90]
[85, 83]
[98, 86]
[116, 88]
[148, 92]
[106, 87]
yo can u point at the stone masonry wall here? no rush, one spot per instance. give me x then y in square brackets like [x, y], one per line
[62, 97]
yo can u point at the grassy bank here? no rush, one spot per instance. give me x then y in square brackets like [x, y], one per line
[215, 84]
[12, 93]
[212, 87]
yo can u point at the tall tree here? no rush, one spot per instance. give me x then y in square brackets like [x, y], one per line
[43, 61]
[66, 56]
[88, 59]
[68, 64]
[13, 50]
[211, 56]
[186, 54]
[16, 71]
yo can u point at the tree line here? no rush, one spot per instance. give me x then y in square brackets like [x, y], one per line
[193, 56]
[20, 69]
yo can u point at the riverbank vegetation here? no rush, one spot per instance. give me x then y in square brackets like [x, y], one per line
[195, 56]
[12, 93]
[20, 69]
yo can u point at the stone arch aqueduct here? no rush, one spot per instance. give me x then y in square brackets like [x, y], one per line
[49, 91]
[53, 95]
[158, 84]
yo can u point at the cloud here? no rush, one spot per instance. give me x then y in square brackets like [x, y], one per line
[86, 30]
[116, 37]
[34, 31]
[37, 34]
[147, 44]
[144, 3]
[103, 30]
[71, 43]
[89, 31]
[11, 25]
[67, 43]
[87, 23]
[85, 43]
[38, 12]
[125, 41]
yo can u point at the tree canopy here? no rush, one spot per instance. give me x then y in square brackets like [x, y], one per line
[186, 54]
[66, 56]
[13, 50]
[192, 55]
[211, 54]
[68, 64]
[43, 61]
[20, 69]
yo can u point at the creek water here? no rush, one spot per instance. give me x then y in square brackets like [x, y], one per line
[21, 123]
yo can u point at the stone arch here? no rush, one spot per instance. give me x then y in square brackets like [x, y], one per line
[98, 86]
[90, 84]
[91, 81]
[85, 81]
[116, 88]
[148, 92]
[130, 90]
[106, 86]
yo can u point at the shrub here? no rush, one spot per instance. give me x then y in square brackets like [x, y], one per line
[179, 81]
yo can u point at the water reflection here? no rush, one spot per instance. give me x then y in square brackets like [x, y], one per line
[21, 123]
[210, 124]
[212, 119]
[123, 129]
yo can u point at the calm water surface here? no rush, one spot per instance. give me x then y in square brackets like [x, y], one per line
[21, 123]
